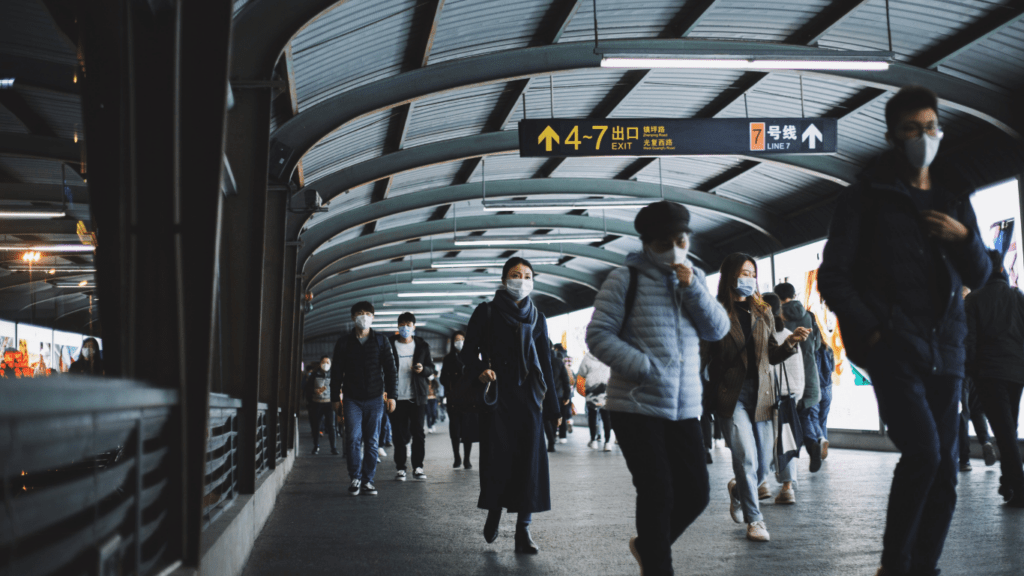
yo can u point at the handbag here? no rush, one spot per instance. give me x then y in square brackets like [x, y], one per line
[788, 429]
[467, 394]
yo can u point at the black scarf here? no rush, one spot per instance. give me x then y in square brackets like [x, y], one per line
[522, 318]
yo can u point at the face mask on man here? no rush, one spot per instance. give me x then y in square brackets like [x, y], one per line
[519, 288]
[364, 321]
[667, 258]
[921, 151]
[745, 286]
[325, 366]
[406, 331]
[459, 344]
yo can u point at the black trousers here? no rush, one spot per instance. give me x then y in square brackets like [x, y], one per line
[971, 411]
[321, 412]
[406, 424]
[606, 420]
[666, 459]
[1002, 405]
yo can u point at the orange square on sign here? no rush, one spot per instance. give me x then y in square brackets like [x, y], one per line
[757, 135]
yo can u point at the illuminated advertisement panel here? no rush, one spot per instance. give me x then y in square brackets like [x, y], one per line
[36, 345]
[8, 336]
[66, 348]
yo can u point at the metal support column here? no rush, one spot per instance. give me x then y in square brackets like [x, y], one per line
[272, 334]
[286, 346]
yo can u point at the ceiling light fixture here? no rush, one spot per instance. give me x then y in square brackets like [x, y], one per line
[551, 205]
[34, 214]
[407, 303]
[72, 284]
[457, 263]
[54, 268]
[466, 280]
[790, 60]
[415, 311]
[534, 239]
[48, 247]
[442, 294]
[6, 83]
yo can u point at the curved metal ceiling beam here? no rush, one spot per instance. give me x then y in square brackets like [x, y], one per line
[458, 149]
[306, 129]
[372, 286]
[402, 268]
[262, 29]
[40, 147]
[750, 215]
[441, 246]
[321, 331]
[460, 313]
[321, 262]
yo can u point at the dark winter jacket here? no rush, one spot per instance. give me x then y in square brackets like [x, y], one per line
[317, 379]
[798, 317]
[995, 331]
[880, 271]
[452, 369]
[364, 371]
[421, 381]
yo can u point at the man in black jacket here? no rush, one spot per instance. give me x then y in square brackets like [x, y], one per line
[995, 350]
[415, 367]
[363, 375]
[903, 241]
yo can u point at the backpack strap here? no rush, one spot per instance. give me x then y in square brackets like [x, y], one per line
[630, 298]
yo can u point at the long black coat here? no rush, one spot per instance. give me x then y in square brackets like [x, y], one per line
[513, 452]
[463, 427]
[995, 331]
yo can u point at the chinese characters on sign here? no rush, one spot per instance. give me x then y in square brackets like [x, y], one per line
[669, 137]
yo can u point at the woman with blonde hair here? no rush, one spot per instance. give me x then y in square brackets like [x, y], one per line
[741, 381]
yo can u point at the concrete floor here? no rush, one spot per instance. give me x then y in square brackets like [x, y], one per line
[433, 526]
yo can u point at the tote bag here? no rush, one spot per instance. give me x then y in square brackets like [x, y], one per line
[788, 430]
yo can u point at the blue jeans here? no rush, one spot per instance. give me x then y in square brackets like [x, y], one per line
[823, 408]
[362, 419]
[810, 422]
[751, 445]
[385, 430]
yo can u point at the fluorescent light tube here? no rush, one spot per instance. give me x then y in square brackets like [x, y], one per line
[407, 303]
[457, 263]
[534, 239]
[54, 267]
[452, 293]
[8, 214]
[742, 64]
[72, 285]
[48, 247]
[467, 280]
[543, 205]
[415, 311]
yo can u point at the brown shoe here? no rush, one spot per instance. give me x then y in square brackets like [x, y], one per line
[786, 497]
[824, 449]
[763, 493]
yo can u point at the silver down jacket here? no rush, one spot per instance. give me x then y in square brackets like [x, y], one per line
[656, 364]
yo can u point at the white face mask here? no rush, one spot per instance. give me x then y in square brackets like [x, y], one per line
[519, 288]
[459, 344]
[667, 258]
[364, 321]
[746, 286]
[86, 352]
[326, 366]
[921, 151]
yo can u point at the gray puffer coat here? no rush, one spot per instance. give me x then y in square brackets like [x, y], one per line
[656, 364]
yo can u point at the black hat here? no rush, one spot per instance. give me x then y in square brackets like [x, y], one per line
[662, 219]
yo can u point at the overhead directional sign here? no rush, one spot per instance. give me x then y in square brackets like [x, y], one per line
[562, 137]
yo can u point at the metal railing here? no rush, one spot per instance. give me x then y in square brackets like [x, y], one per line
[86, 476]
[221, 457]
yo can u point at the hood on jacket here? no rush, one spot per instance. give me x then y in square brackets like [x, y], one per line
[794, 310]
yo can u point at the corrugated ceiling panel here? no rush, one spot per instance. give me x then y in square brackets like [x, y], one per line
[688, 171]
[862, 135]
[350, 200]
[452, 114]
[26, 29]
[62, 113]
[355, 142]
[31, 170]
[576, 94]
[775, 189]
[10, 123]
[778, 96]
[474, 27]
[646, 19]
[675, 93]
[757, 20]
[405, 219]
[436, 176]
[917, 25]
[998, 60]
[356, 43]
[592, 167]
[508, 167]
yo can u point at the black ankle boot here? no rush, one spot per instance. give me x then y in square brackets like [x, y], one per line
[491, 525]
[524, 543]
[458, 462]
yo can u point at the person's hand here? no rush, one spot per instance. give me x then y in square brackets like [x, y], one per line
[798, 335]
[558, 423]
[684, 273]
[567, 401]
[487, 376]
[391, 406]
[873, 339]
[417, 368]
[321, 389]
[943, 226]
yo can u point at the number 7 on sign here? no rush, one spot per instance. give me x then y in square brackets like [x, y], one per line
[757, 135]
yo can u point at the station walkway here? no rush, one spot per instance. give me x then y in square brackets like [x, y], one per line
[433, 527]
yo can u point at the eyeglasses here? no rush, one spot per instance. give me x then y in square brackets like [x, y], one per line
[913, 131]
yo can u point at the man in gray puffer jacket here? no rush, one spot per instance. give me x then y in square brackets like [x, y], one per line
[654, 394]
[796, 316]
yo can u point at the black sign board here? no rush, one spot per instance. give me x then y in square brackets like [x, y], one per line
[562, 137]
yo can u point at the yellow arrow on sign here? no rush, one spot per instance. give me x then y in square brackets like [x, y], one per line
[547, 136]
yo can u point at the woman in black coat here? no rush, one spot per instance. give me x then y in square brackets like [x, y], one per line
[513, 460]
[89, 361]
[463, 427]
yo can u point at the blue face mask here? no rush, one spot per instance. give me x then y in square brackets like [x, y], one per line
[406, 331]
[746, 286]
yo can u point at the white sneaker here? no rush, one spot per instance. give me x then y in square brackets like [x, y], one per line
[353, 488]
[607, 447]
[563, 440]
[735, 508]
[432, 429]
[382, 453]
[419, 474]
[400, 475]
[757, 532]
[592, 444]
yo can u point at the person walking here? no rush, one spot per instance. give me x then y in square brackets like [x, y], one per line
[826, 360]
[903, 241]
[790, 378]
[995, 349]
[463, 427]
[596, 375]
[321, 413]
[740, 375]
[563, 387]
[431, 404]
[797, 316]
[649, 319]
[507, 347]
[415, 368]
[363, 369]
